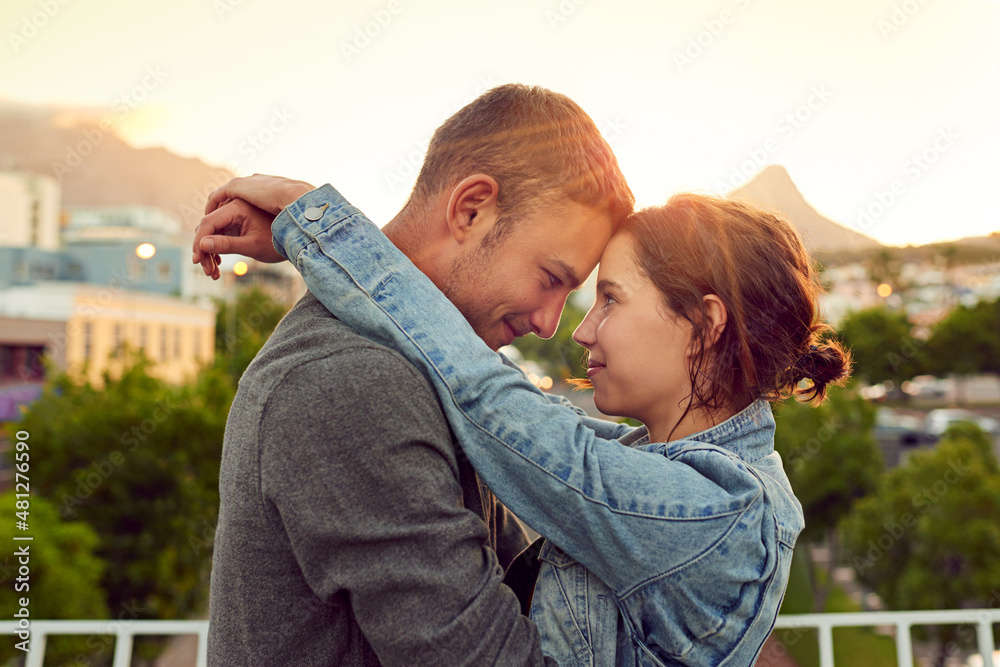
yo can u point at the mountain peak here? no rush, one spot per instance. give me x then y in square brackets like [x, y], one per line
[773, 189]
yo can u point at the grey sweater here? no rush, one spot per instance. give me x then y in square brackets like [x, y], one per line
[352, 530]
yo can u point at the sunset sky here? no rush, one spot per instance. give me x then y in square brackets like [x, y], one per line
[884, 106]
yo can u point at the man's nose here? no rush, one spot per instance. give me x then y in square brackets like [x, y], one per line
[545, 320]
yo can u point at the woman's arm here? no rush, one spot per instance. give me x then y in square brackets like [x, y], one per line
[623, 513]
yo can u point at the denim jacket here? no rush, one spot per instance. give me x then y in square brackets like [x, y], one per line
[656, 553]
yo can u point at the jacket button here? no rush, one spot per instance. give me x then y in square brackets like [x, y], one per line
[312, 214]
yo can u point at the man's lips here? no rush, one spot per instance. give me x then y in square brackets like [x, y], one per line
[510, 331]
[509, 334]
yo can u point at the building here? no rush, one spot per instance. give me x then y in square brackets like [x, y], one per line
[29, 210]
[85, 329]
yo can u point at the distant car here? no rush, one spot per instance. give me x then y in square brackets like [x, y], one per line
[884, 391]
[904, 429]
[927, 386]
[938, 421]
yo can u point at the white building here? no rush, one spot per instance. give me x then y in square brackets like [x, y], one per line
[29, 210]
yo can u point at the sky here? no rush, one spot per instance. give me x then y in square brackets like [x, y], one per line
[884, 112]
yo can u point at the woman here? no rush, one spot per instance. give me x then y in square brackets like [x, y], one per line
[672, 545]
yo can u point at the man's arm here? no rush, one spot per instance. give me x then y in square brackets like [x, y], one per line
[358, 461]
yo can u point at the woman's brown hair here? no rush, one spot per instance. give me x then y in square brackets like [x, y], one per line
[757, 265]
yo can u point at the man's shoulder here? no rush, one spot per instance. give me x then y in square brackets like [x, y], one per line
[310, 343]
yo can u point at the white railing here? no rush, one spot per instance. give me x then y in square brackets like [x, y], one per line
[124, 631]
[983, 619]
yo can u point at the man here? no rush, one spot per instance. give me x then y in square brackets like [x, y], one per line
[352, 529]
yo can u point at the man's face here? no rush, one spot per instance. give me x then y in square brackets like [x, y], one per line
[520, 286]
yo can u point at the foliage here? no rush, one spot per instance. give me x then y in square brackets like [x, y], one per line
[928, 538]
[242, 326]
[967, 341]
[559, 356]
[830, 455]
[832, 459]
[64, 578]
[138, 460]
[883, 346]
[884, 266]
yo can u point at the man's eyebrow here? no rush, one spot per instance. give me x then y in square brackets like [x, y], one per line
[568, 273]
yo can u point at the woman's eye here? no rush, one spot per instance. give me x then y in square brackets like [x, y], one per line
[608, 299]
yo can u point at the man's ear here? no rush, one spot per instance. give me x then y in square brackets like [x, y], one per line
[717, 318]
[472, 207]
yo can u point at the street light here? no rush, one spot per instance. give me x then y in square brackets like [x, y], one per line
[145, 251]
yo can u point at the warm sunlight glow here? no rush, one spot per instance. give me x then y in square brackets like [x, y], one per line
[145, 251]
[240, 268]
[884, 290]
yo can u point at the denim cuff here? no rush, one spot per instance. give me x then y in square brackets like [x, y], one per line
[293, 229]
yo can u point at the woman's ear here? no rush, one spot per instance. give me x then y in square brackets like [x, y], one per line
[717, 317]
[472, 207]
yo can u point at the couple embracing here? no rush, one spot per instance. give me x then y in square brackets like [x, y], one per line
[379, 448]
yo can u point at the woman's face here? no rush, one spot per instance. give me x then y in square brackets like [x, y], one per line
[638, 361]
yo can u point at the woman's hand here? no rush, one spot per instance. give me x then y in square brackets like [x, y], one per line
[238, 219]
[234, 227]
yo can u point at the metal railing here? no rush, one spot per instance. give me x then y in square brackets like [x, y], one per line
[123, 632]
[903, 621]
[983, 619]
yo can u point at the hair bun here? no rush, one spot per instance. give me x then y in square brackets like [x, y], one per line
[824, 364]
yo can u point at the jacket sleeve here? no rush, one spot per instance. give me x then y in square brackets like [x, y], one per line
[622, 512]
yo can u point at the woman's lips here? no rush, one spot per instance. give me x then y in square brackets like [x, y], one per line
[593, 369]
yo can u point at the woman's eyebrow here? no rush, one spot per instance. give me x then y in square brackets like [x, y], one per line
[607, 284]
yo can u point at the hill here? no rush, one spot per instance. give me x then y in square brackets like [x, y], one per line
[96, 167]
[831, 242]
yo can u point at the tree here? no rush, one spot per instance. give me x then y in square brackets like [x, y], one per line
[138, 461]
[883, 345]
[885, 267]
[928, 538]
[832, 460]
[242, 326]
[967, 341]
[64, 574]
[559, 356]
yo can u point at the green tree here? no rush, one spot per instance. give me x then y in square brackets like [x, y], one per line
[64, 578]
[243, 324]
[832, 459]
[559, 356]
[137, 460]
[967, 341]
[928, 538]
[885, 267]
[883, 345]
